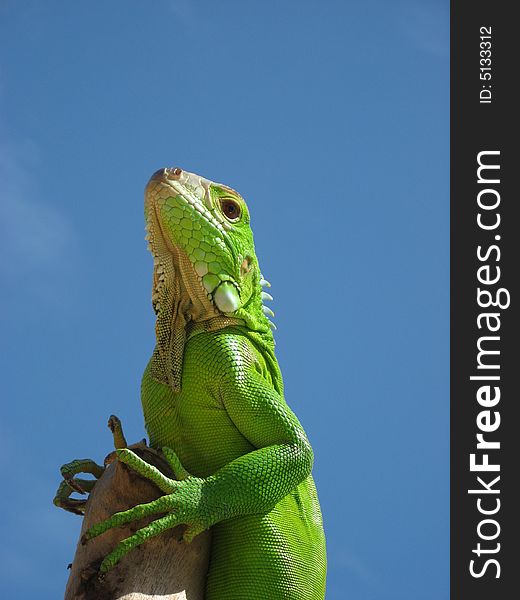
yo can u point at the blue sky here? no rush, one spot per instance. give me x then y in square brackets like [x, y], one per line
[332, 119]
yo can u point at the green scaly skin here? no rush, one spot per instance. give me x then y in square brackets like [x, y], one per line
[212, 397]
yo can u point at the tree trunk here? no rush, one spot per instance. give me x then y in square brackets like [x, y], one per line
[163, 568]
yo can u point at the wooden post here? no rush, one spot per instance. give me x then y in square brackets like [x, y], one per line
[163, 568]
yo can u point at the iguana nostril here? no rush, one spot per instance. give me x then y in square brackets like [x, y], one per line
[173, 173]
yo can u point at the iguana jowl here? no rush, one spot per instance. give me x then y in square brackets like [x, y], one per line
[212, 397]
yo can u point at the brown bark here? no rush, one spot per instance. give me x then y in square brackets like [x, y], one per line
[163, 568]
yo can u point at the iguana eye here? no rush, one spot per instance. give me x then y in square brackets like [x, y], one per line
[230, 208]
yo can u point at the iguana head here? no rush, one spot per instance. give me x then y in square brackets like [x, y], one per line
[205, 266]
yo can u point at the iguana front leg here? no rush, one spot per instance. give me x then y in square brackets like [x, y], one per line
[250, 484]
[71, 483]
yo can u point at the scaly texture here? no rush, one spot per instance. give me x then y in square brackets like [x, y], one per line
[212, 398]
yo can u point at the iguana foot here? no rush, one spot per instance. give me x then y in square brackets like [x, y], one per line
[73, 505]
[71, 484]
[182, 504]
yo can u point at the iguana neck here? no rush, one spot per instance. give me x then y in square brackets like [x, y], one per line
[174, 327]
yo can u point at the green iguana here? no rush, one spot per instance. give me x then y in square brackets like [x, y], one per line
[212, 397]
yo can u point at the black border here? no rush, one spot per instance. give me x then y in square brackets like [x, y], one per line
[475, 127]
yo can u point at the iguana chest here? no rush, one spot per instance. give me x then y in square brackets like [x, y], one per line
[193, 422]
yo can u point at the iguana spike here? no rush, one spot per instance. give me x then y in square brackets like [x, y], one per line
[267, 311]
[266, 296]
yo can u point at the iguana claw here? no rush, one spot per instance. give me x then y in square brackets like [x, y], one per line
[114, 424]
[73, 505]
[71, 484]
